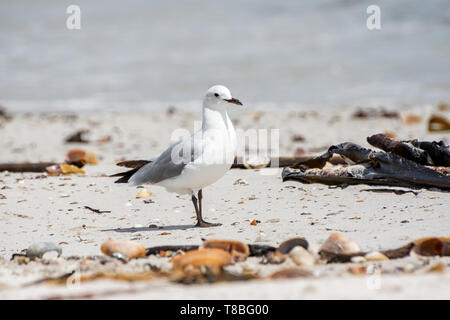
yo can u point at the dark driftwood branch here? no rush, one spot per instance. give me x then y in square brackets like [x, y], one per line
[256, 250]
[158, 249]
[26, 167]
[391, 254]
[97, 210]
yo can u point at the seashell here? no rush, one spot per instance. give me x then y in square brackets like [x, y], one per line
[37, 250]
[357, 270]
[63, 168]
[286, 246]
[54, 170]
[276, 257]
[91, 158]
[239, 251]
[301, 256]
[260, 237]
[338, 244]
[209, 257]
[375, 256]
[437, 268]
[438, 123]
[143, 194]
[119, 256]
[240, 181]
[408, 268]
[443, 107]
[130, 249]
[80, 157]
[256, 162]
[411, 119]
[432, 246]
[358, 259]
[291, 273]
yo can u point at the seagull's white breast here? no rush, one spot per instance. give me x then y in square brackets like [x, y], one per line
[219, 149]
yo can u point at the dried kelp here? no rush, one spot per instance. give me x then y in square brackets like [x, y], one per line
[369, 167]
[423, 152]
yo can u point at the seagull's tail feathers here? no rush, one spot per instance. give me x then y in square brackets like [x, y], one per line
[126, 175]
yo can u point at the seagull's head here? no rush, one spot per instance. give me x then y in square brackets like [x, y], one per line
[219, 98]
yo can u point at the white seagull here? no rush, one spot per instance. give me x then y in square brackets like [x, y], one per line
[191, 164]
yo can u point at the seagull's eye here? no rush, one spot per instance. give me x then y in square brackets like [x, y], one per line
[216, 94]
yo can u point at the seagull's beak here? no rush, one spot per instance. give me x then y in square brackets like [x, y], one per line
[234, 101]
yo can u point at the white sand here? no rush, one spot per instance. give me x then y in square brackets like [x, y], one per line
[52, 208]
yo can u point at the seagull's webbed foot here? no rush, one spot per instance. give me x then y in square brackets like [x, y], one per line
[204, 224]
[198, 209]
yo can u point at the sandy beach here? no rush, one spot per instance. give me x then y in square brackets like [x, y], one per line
[36, 207]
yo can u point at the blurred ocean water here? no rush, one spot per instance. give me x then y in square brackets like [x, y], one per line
[149, 54]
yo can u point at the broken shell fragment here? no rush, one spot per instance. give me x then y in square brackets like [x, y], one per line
[301, 256]
[358, 259]
[276, 257]
[411, 119]
[199, 265]
[130, 249]
[38, 250]
[63, 168]
[438, 268]
[143, 194]
[209, 257]
[68, 168]
[286, 246]
[256, 162]
[438, 123]
[338, 244]
[240, 181]
[79, 157]
[375, 256]
[357, 270]
[239, 251]
[432, 246]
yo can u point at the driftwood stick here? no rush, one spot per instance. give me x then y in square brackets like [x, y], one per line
[26, 167]
[158, 249]
[256, 250]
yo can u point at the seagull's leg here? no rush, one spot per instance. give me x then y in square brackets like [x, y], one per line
[200, 221]
[194, 201]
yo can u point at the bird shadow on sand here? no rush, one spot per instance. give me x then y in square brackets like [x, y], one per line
[144, 229]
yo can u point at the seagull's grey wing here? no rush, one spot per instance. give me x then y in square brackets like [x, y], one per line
[164, 166]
